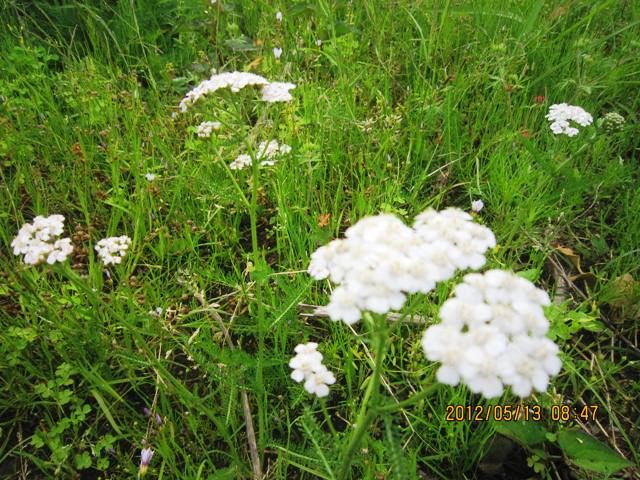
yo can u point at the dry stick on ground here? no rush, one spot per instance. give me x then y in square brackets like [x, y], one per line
[246, 409]
[567, 281]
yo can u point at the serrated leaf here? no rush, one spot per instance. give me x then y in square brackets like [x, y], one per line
[524, 432]
[588, 453]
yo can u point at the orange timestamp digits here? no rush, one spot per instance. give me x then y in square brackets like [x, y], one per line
[509, 413]
[564, 413]
[499, 413]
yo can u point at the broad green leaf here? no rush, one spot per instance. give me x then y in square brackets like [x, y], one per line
[527, 433]
[588, 453]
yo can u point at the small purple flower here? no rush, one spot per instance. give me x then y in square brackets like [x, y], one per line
[145, 459]
[146, 411]
[477, 205]
[159, 420]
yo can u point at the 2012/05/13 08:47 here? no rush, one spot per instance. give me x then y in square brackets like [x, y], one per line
[508, 413]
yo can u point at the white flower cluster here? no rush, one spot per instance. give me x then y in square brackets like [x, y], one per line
[236, 81]
[205, 128]
[113, 249]
[560, 114]
[381, 259]
[277, 91]
[307, 365]
[38, 241]
[492, 335]
[267, 152]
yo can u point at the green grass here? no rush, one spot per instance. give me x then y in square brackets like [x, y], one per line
[405, 105]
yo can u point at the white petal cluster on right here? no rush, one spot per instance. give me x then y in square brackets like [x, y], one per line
[277, 91]
[307, 366]
[560, 114]
[236, 81]
[38, 241]
[382, 259]
[267, 152]
[113, 249]
[492, 335]
[205, 128]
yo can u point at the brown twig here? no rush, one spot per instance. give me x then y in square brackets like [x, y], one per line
[567, 281]
[246, 408]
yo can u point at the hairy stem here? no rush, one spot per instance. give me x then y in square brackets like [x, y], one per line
[378, 331]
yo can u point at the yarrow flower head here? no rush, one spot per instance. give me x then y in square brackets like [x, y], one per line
[279, 16]
[268, 153]
[492, 335]
[39, 242]
[113, 249]
[277, 91]
[307, 366]
[236, 81]
[382, 259]
[560, 114]
[205, 128]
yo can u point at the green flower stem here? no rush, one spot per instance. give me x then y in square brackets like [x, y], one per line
[378, 330]
[411, 400]
[327, 417]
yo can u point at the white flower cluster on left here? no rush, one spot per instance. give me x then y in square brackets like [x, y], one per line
[267, 152]
[236, 81]
[492, 335]
[382, 259]
[307, 365]
[38, 241]
[205, 128]
[113, 249]
[560, 114]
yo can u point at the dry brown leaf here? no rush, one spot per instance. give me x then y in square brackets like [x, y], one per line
[558, 12]
[255, 63]
[572, 256]
[323, 219]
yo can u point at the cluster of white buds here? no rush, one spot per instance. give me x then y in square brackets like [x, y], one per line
[113, 249]
[38, 241]
[493, 335]
[205, 128]
[236, 81]
[307, 366]
[267, 153]
[382, 259]
[612, 122]
[560, 114]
